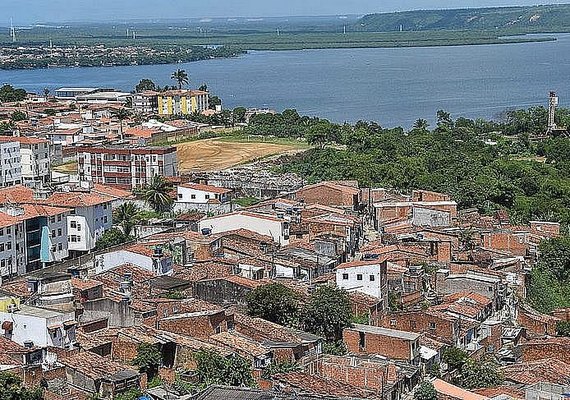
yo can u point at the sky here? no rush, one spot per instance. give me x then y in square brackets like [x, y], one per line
[37, 11]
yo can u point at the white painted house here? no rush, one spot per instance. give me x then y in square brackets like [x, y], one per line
[34, 158]
[91, 216]
[196, 193]
[10, 166]
[40, 327]
[144, 257]
[277, 228]
[368, 277]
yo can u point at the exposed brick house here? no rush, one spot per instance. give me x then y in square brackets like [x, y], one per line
[535, 323]
[555, 347]
[334, 194]
[390, 343]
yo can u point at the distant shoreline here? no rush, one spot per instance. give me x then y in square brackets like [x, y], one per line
[319, 43]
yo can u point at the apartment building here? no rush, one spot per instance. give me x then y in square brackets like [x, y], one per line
[182, 102]
[35, 158]
[126, 168]
[146, 102]
[10, 166]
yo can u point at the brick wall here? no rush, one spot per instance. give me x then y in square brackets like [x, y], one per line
[364, 376]
[432, 324]
[387, 346]
[535, 323]
[557, 348]
[506, 241]
[325, 195]
[201, 327]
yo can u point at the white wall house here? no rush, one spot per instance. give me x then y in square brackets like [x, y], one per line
[10, 166]
[140, 256]
[39, 327]
[263, 224]
[12, 246]
[201, 194]
[362, 276]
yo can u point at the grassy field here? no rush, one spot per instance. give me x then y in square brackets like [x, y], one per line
[222, 153]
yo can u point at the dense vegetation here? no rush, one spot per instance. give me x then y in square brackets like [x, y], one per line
[524, 19]
[11, 388]
[8, 94]
[482, 164]
[550, 280]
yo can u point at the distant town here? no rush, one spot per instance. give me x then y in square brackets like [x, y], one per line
[154, 245]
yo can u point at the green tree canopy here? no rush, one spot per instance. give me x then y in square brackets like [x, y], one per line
[148, 359]
[215, 369]
[110, 238]
[425, 391]
[181, 77]
[479, 374]
[11, 388]
[274, 302]
[145, 84]
[157, 194]
[125, 217]
[327, 312]
[9, 95]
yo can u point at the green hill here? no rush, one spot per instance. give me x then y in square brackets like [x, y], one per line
[547, 18]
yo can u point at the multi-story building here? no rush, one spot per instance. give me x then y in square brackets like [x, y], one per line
[126, 168]
[35, 158]
[146, 102]
[182, 102]
[10, 166]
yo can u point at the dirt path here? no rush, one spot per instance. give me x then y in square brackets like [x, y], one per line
[214, 155]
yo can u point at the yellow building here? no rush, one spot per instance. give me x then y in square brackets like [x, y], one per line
[182, 102]
[8, 304]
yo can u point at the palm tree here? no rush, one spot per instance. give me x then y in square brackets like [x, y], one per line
[157, 194]
[121, 114]
[125, 216]
[421, 124]
[181, 77]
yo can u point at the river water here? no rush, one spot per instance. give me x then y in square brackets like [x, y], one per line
[391, 86]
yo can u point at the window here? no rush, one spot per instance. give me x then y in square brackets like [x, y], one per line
[345, 277]
[179, 196]
[1, 231]
[8, 245]
[490, 288]
[207, 196]
[53, 233]
[78, 227]
[432, 325]
[53, 248]
[358, 277]
[105, 206]
[73, 224]
[3, 264]
[8, 230]
[52, 219]
[193, 196]
[372, 278]
[59, 218]
[59, 246]
[392, 322]
[58, 231]
[105, 219]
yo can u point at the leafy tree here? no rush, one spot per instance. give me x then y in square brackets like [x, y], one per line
[157, 194]
[280, 368]
[421, 124]
[555, 257]
[563, 328]
[322, 134]
[328, 312]
[455, 358]
[214, 369]
[337, 348]
[148, 359]
[110, 238]
[10, 95]
[125, 216]
[479, 374]
[274, 302]
[145, 84]
[425, 391]
[11, 388]
[239, 114]
[214, 101]
[18, 116]
[181, 77]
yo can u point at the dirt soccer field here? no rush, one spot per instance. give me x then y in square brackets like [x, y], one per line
[214, 154]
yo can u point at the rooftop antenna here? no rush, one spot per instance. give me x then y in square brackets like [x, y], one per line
[12, 31]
